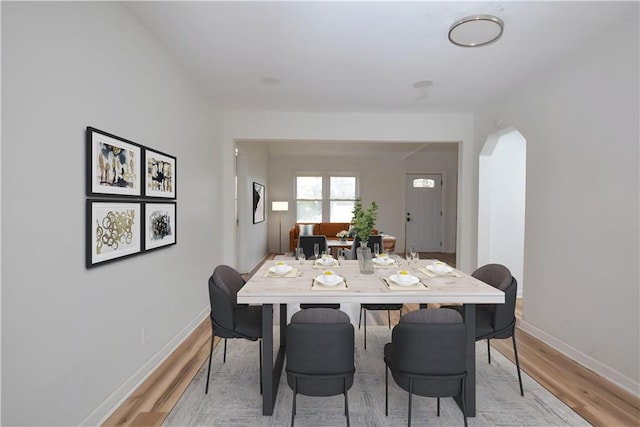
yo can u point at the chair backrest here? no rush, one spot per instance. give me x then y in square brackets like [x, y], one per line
[224, 284]
[499, 276]
[320, 342]
[373, 239]
[429, 342]
[307, 242]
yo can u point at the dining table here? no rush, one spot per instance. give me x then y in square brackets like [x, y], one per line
[302, 282]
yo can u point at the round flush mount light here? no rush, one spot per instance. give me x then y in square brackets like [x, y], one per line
[423, 84]
[270, 81]
[476, 31]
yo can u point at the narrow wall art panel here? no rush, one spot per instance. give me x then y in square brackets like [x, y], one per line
[114, 230]
[258, 203]
[160, 225]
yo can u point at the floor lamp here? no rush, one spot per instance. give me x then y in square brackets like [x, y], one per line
[280, 207]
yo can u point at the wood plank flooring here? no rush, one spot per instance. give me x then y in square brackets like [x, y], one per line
[594, 398]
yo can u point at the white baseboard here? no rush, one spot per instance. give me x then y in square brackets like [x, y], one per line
[585, 360]
[100, 414]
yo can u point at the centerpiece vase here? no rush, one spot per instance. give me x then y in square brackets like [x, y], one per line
[365, 262]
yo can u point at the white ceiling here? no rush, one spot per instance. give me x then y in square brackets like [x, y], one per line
[365, 56]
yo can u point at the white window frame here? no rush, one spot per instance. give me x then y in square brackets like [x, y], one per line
[326, 180]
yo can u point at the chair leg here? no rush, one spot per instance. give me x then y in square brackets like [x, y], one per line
[464, 400]
[260, 355]
[360, 317]
[346, 401]
[410, 396]
[365, 329]
[438, 406]
[386, 390]
[489, 350]
[206, 390]
[224, 356]
[389, 317]
[515, 353]
[295, 392]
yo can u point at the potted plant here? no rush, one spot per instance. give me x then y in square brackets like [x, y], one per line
[364, 219]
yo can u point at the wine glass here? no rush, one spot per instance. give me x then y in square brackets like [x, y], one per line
[412, 255]
[301, 258]
[376, 249]
[316, 250]
[341, 255]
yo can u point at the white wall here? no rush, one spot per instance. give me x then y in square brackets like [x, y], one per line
[253, 165]
[71, 337]
[582, 209]
[501, 202]
[382, 178]
[296, 126]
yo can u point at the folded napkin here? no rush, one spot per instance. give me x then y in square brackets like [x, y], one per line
[317, 286]
[391, 285]
[430, 273]
[292, 273]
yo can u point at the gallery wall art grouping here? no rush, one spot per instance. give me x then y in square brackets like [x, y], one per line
[131, 192]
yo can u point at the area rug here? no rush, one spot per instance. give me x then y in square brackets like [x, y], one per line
[234, 395]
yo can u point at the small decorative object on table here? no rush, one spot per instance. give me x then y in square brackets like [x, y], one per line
[342, 235]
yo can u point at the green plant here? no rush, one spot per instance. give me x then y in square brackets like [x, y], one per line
[364, 219]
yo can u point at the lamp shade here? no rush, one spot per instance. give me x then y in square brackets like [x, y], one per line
[279, 206]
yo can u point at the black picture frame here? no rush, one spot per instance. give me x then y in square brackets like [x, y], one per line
[258, 203]
[114, 230]
[160, 174]
[160, 225]
[114, 167]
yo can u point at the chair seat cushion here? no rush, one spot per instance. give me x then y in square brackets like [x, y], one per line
[484, 320]
[320, 315]
[248, 321]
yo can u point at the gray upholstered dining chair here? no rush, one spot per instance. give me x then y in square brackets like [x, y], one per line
[307, 242]
[373, 239]
[320, 355]
[228, 318]
[427, 356]
[497, 321]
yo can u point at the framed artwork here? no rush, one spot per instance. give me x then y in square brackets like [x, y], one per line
[159, 225]
[160, 174]
[113, 230]
[258, 203]
[113, 165]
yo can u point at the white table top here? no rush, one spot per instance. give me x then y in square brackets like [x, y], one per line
[363, 288]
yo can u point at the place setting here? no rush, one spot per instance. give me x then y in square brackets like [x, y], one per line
[383, 260]
[281, 269]
[438, 269]
[403, 280]
[329, 280]
[326, 260]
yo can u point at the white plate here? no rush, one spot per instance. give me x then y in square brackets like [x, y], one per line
[322, 280]
[383, 261]
[326, 261]
[439, 268]
[412, 280]
[286, 269]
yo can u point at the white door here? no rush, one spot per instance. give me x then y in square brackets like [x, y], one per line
[424, 212]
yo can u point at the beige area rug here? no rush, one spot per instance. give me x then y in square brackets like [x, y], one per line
[234, 395]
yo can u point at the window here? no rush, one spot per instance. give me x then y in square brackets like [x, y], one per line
[342, 196]
[325, 198]
[423, 183]
[309, 199]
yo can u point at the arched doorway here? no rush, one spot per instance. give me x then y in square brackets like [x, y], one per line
[501, 202]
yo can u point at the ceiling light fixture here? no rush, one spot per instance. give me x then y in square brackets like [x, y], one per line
[476, 31]
[270, 81]
[423, 84]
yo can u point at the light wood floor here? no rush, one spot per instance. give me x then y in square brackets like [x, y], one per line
[594, 398]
